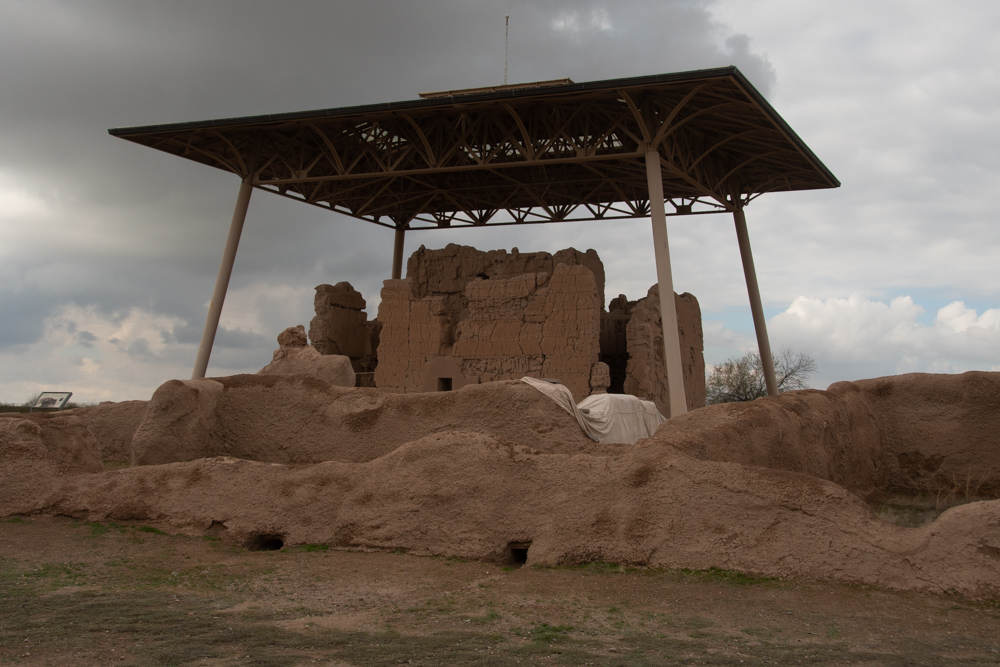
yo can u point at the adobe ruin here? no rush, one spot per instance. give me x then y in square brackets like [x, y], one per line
[466, 316]
[771, 487]
[341, 326]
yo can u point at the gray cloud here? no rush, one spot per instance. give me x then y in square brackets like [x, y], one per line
[24, 312]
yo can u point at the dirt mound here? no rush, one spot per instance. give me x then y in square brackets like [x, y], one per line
[468, 495]
[113, 425]
[818, 433]
[37, 452]
[940, 433]
[490, 469]
[301, 419]
[915, 433]
[69, 444]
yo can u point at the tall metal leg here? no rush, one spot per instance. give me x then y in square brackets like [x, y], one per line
[222, 280]
[759, 323]
[664, 278]
[397, 254]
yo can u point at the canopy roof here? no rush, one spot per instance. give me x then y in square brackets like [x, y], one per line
[516, 155]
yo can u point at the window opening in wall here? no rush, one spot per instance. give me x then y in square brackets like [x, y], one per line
[444, 384]
[614, 349]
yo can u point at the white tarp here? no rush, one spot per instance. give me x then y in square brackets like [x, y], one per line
[611, 419]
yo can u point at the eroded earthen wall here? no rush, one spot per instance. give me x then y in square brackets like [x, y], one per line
[413, 332]
[341, 325]
[500, 315]
[533, 325]
[646, 374]
[447, 271]
[614, 341]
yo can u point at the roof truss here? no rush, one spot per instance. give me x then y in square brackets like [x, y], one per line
[562, 153]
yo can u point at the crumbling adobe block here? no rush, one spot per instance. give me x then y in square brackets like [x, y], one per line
[533, 325]
[646, 374]
[499, 315]
[341, 325]
[295, 356]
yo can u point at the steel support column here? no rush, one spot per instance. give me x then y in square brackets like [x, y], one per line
[222, 280]
[664, 278]
[397, 254]
[759, 323]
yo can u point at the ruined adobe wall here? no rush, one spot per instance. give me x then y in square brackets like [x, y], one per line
[298, 419]
[114, 424]
[756, 487]
[940, 433]
[497, 315]
[697, 494]
[533, 325]
[413, 332]
[295, 356]
[446, 272]
[646, 374]
[341, 325]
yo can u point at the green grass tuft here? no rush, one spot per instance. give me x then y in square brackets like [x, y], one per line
[549, 634]
[727, 576]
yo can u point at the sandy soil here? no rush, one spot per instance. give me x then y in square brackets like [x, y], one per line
[74, 592]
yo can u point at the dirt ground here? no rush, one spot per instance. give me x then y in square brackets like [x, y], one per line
[80, 593]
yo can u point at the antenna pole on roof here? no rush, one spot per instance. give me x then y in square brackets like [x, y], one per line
[506, 32]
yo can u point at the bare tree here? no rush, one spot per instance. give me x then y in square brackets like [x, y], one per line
[742, 379]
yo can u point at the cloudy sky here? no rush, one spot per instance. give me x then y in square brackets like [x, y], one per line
[108, 250]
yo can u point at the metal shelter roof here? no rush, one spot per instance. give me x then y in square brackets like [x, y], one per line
[550, 153]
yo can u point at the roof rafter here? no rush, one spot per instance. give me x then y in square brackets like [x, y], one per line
[515, 156]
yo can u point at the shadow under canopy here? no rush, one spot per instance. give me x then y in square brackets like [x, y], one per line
[701, 142]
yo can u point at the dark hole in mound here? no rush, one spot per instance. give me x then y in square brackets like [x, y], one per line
[265, 543]
[518, 553]
[444, 384]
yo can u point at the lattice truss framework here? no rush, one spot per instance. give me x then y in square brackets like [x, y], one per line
[564, 153]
